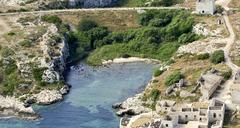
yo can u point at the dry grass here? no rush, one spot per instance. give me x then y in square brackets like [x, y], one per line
[234, 18]
[189, 66]
[234, 4]
[212, 23]
[189, 4]
[114, 20]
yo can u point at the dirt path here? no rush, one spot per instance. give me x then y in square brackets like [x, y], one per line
[4, 27]
[225, 93]
[90, 9]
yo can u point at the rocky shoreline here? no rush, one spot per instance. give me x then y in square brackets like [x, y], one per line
[20, 106]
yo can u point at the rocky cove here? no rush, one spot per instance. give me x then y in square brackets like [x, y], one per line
[24, 107]
[93, 92]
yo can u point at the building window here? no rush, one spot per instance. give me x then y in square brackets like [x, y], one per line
[214, 115]
[203, 11]
[200, 119]
[220, 115]
[195, 116]
[166, 125]
[186, 116]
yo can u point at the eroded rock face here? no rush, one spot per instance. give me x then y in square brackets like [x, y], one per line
[57, 64]
[47, 97]
[50, 76]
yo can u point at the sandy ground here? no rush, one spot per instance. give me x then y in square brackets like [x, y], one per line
[4, 27]
[129, 60]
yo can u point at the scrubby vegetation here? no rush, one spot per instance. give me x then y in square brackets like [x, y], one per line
[160, 35]
[154, 95]
[203, 56]
[217, 57]
[157, 72]
[26, 43]
[227, 75]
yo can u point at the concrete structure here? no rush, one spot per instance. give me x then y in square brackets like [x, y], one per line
[205, 6]
[209, 83]
[195, 116]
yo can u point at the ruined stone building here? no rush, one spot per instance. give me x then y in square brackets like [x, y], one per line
[209, 83]
[197, 115]
[205, 6]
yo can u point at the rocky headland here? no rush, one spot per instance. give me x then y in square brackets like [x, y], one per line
[33, 68]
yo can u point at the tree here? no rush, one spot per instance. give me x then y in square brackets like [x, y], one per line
[86, 24]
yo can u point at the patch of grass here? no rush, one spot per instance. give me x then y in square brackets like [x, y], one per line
[6, 52]
[227, 75]
[203, 56]
[26, 43]
[173, 78]
[86, 24]
[154, 95]
[37, 73]
[10, 68]
[52, 19]
[217, 57]
[157, 72]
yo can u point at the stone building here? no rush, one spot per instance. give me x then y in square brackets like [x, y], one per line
[209, 83]
[205, 6]
[197, 115]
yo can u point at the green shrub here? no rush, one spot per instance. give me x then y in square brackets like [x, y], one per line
[219, 9]
[6, 52]
[10, 68]
[187, 38]
[52, 19]
[10, 83]
[175, 77]
[37, 73]
[26, 43]
[155, 81]
[154, 95]
[11, 33]
[203, 56]
[227, 75]
[86, 24]
[157, 72]
[217, 57]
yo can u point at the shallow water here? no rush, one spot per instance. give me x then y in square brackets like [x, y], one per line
[89, 103]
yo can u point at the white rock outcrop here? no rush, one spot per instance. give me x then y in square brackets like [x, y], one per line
[50, 76]
[10, 106]
[46, 97]
[132, 106]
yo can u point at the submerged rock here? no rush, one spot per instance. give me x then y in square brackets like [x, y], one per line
[65, 90]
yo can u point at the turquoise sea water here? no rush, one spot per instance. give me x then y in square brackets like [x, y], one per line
[92, 94]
